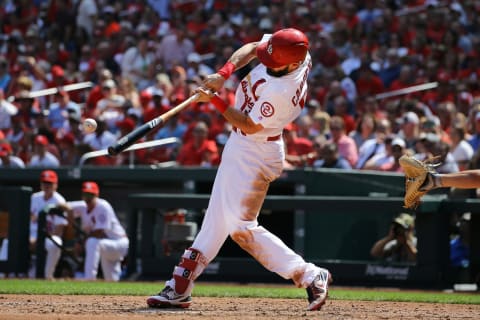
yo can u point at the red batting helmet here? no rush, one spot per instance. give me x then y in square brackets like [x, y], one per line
[284, 47]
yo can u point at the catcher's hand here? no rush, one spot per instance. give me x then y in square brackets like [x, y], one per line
[419, 179]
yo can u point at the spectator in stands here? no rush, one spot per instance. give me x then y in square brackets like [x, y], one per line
[7, 110]
[475, 138]
[445, 158]
[460, 244]
[398, 149]
[7, 159]
[5, 77]
[375, 145]
[199, 151]
[196, 68]
[138, 63]
[304, 125]
[59, 110]
[405, 79]
[97, 93]
[383, 158]
[41, 156]
[128, 90]
[111, 106]
[391, 70]
[341, 109]
[462, 151]
[101, 138]
[365, 130]
[174, 49]
[410, 129]
[400, 244]
[87, 15]
[298, 149]
[346, 145]
[330, 158]
[321, 124]
[68, 150]
[368, 83]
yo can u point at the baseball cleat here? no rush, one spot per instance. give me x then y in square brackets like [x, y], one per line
[169, 298]
[318, 290]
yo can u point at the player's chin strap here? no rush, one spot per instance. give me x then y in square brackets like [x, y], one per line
[191, 265]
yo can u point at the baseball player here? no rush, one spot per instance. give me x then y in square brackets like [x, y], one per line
[107, 241]
[271, 96]
[55, 224]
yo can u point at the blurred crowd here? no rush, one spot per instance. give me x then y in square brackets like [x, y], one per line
[144, 57]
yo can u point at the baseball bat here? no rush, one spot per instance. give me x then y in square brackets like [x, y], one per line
[407, 90]
[127, 140]
[50, 91]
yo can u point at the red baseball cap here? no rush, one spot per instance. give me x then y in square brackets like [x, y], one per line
[90, 187]
[286, 46]
[5, 149]
[49, 176]
[127, 124]
[41, 139]
[57, 71]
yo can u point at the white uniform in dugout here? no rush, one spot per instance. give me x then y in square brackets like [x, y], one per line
[109, 251]
[38, 202]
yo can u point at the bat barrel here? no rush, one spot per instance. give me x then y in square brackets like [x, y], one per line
[129, 139]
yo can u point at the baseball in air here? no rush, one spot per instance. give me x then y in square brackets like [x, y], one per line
[89, 125]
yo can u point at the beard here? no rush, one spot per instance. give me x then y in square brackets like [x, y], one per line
[279, 73]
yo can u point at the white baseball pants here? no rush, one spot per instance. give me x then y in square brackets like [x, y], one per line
[109, 253]
[53, 255]
[240, 187]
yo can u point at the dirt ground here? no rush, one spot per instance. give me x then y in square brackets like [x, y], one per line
[43, 307]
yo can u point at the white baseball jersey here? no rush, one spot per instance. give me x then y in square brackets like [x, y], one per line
[37, 203]
[271, 101]
[102, 216]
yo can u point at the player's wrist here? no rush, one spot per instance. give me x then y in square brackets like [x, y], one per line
[227, 70]
[219, 104]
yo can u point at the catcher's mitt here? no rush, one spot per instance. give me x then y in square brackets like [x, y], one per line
[416, 175]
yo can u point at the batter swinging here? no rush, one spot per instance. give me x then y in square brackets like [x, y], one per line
[267, 99]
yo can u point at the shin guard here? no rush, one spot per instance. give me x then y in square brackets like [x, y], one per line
[190, 267]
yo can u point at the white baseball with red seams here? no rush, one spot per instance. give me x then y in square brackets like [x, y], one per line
[89, 125]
